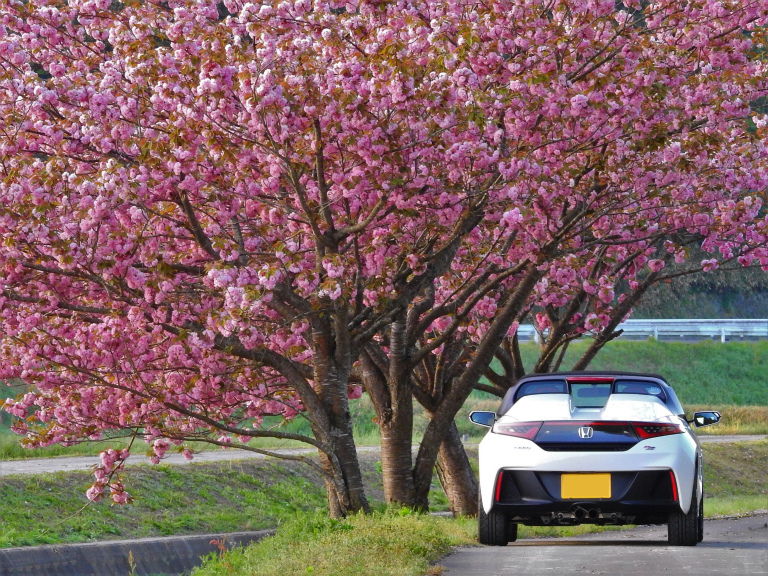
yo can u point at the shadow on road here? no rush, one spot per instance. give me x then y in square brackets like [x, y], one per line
[640, 544]
[590, 543]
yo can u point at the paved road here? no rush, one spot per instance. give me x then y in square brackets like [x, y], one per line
[731, 547]
[69, 464]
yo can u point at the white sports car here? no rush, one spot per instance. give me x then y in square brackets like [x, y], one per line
[591, 447]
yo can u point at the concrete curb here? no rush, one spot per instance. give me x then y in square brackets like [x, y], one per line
[151, 556]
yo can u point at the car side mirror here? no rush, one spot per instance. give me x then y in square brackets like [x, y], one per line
[705, 418]
[482, 418]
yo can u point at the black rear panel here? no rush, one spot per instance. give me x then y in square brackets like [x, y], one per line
[586, 436]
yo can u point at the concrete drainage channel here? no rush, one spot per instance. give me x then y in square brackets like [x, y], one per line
[145, 557]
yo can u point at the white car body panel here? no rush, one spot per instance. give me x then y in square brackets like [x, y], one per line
[677, 452]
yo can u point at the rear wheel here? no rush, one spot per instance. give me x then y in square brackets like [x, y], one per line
[494, 528]
[683, 529]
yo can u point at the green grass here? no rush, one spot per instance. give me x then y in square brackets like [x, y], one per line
[735, 478]
[11, 449]
[736, 469]
[734, 505]
[731, 373]
[390, 543]
[232, 496]
[251, 495]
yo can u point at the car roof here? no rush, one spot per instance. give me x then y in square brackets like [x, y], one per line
[672, 401]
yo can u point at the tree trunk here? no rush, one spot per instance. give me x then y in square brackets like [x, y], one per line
[341, 467]
[388, 384]
[337, 507]
[344, 480]
[352, 477]
[442, 420]
[397, 424]
[456, 475]
[397, 462]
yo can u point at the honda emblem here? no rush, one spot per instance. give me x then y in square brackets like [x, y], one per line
[586, 432]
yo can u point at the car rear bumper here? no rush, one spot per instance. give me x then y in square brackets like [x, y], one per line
[636, 497]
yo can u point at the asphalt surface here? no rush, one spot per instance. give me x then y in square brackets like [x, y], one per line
[731, 547]
[69, 464]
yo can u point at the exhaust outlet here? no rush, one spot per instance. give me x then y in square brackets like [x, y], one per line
[593, 514]
[579, 513]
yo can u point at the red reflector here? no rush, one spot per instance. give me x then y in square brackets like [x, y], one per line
[498, 486]
[647, 430]
[674, 486]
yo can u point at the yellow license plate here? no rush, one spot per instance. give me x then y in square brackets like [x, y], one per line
[585, 486]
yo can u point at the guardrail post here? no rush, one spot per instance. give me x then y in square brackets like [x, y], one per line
[722, 334]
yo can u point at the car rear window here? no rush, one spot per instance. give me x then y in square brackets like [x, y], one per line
[590, 394]
[639, 387]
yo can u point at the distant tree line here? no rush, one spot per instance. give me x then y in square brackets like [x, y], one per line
[725, 293]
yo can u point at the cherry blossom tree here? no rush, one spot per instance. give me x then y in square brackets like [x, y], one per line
[618, 163]
[205, 209]
[215, 212]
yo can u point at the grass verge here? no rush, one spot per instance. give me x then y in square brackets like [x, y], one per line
[389, 543]
[735, 505]
[225, 497]
[736, 469]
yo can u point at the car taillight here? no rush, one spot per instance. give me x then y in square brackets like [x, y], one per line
[520, 429]
[654, 429]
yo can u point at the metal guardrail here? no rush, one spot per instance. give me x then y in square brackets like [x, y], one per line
[722, 330]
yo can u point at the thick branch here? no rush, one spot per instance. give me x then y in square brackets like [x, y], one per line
[201, 237]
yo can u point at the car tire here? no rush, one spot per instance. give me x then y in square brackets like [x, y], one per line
[512, 532]
[493, 528]
[700, 525]
[683, 529]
